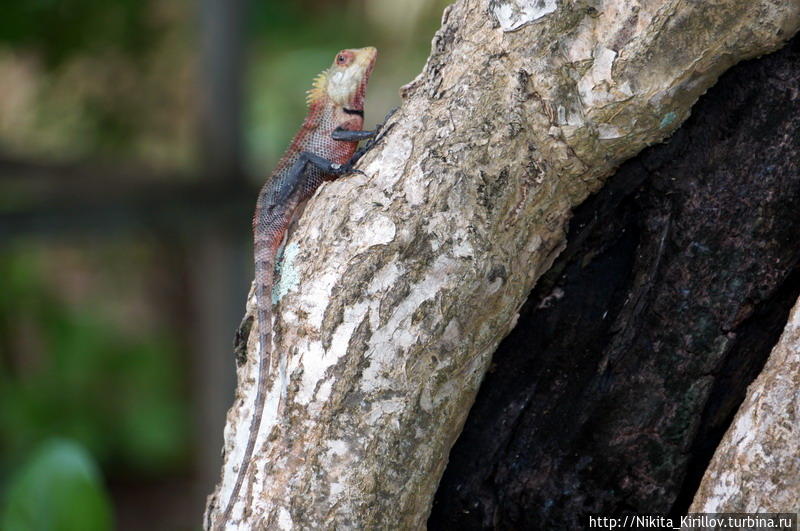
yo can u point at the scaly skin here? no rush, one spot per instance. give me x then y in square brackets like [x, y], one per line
[321, 151]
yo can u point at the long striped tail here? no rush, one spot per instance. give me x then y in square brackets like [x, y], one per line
[264, 280]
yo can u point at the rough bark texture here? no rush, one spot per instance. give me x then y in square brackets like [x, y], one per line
[757, 466]
[397, 287]
[633, 352]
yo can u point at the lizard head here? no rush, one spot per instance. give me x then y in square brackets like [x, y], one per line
[345, 82]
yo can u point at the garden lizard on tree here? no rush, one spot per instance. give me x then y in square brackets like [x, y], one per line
[323, 149]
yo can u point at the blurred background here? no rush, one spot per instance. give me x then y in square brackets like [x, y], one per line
[134, 135]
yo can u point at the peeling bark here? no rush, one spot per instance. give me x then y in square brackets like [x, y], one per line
[757, 466]
[397, 287]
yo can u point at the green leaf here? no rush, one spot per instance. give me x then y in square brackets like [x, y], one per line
[58, 489]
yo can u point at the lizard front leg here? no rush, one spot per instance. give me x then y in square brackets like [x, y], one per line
[356, 136]
[306, 159]
[345, 135]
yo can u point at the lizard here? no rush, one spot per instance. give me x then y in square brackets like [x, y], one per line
[323, 149]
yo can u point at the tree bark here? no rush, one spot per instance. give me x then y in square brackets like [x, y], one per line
[397, 287]
[757, 466]
[633, 352]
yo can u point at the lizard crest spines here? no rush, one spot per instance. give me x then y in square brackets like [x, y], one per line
[317, 91]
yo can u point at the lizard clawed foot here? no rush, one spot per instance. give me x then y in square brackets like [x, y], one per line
[345, 169]
[381, 130]
[386, 118]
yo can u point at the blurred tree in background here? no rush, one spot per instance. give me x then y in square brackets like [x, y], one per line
[98, 322]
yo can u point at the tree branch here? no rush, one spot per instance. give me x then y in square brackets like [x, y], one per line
[755, 467]
[397, 286]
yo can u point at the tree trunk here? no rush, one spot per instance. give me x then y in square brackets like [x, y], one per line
[674, 287]
[397, 287]
[757, 465]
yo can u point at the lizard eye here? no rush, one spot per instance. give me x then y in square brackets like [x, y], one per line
[340, 59]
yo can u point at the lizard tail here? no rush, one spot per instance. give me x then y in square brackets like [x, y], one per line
[264, 273]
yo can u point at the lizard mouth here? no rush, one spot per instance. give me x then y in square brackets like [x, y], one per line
[370, 54]
[366, 56]
[346, 85]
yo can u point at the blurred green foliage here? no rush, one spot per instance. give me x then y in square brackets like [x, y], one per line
[58, 488]
[306, 23]
[58, 29]
[70, 371]
[101, 79]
